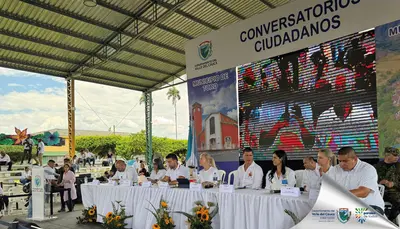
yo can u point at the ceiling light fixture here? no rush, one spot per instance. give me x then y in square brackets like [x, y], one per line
[90, 3]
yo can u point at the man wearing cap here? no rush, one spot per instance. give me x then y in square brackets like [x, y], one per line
[389, 175]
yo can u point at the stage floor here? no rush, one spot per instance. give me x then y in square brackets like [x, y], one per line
[65, 220]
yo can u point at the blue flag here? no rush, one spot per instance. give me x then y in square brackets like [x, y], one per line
[192, 157]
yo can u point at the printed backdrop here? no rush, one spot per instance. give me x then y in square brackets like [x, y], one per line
[388, 80]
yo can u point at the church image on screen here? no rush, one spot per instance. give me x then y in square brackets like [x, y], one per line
[319, 97]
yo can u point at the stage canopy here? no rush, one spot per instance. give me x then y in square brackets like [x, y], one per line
[132, 44]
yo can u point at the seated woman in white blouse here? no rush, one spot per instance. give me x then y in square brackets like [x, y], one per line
[209, 168]
[280, 173]
[158, 171]
[326, 161]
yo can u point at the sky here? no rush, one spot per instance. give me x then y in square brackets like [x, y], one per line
[39, 103]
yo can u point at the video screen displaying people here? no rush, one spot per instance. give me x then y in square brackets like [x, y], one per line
[319, 97]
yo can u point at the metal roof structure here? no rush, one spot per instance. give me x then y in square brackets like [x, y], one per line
[133, 44]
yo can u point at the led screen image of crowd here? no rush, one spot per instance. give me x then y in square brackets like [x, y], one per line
[319, 97]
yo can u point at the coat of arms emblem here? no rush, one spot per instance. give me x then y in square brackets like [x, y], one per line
[343, 215]
[205, 50]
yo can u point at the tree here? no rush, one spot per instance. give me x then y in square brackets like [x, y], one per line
[173, 93]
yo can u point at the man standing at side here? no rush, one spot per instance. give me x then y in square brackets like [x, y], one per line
[28, 144]
[175, 171]
[249, 174]
[389, 175]
[40, 151]
[359, 177]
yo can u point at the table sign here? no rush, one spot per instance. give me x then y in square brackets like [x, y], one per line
[195, 186]
[112, 182]
[146, 184]
[95, 182]
[125, 183]
[290, 191]
[163, 185]
[313, 194]
[226, 188]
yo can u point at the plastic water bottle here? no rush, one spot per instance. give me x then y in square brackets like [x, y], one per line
[215, 178]
[284, 183]
[86, 180]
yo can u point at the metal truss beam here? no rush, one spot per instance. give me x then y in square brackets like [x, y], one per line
[188, 16]
[120, 10]
[267, 3]
[71, 116]
[160, 84]
[149, 136]
[227, 9]
[26, 68]
[81, 36]
[81, 69]
[96, 76]
[109, 83]
[140, 53]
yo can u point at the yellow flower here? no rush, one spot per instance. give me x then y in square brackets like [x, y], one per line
[109, 214]
[203, 209]
[171, 221]
[117, 217]
[202, 220]
[166, 221]
[205, 217]
[156, 226]
[164, 204]
[198, 214]
[91, 212]
[205, 212]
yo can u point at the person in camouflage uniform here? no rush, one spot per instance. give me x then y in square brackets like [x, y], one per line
[389, 175]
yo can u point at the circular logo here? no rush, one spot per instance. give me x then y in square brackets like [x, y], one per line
[38, 181]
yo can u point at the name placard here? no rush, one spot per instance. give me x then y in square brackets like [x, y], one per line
[226, 188]
[146, 184]
[290, 191]
[126, 183]
[95, 182]
[313, 194]
[112, 183]
[163, 185]
[195, 186]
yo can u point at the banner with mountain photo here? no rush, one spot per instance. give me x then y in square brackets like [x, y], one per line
[213, 109]
[388, 83]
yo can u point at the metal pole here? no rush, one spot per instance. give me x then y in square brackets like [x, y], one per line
[71, 116]
[149, 146]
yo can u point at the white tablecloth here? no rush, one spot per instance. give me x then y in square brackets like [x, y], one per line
[244, 209]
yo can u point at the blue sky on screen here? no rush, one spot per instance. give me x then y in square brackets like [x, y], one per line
[39, 103]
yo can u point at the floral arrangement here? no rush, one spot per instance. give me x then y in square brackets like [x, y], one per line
[162, 215]
[116, 218]
[295, 219]
[202, 215]
[89, 215]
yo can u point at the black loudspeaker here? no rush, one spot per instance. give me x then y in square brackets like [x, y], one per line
[78, 183]
[21, 224]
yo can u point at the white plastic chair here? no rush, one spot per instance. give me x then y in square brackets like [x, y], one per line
[233, 173]
[381, 189]
[222, 175]
[299, 177]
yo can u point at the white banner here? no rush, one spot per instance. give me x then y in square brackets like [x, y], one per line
[38, 185]
[285, 29]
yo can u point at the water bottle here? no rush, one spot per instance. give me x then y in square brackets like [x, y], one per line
[86, 180]
[284, 183]
[215, 178]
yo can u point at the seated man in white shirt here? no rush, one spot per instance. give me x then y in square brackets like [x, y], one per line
[124, 172]
[359, 177]
[5, 160]
[175, 170]
[249, 174]
[311, 174]
[26, 176]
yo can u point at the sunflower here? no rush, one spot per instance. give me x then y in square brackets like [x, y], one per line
[198, 214]
[109, 214]
[205, 212]
[164, 204]
[156, 226]
[205, 217]
[117, 217]
[171, 221]
[202, 220]
[166, 220]
[91, 212]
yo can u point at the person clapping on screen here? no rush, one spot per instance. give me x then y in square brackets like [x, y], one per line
[250, 174]
[280, 175]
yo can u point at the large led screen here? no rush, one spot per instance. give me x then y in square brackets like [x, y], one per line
[319, 97]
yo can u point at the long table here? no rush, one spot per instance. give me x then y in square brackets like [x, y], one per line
[243, 209]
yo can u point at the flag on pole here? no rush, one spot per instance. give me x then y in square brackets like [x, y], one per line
[192, 157]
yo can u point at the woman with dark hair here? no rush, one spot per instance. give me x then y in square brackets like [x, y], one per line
[158, 171]
[280, 174]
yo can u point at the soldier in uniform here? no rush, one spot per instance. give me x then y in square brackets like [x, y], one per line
[389, 175]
